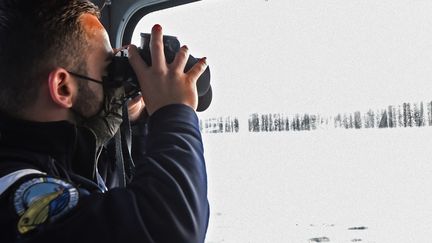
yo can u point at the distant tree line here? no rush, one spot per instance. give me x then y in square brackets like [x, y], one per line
[220, 125]
[281, 122]
[404, 115]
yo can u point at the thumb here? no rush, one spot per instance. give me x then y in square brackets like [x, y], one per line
[137, 63]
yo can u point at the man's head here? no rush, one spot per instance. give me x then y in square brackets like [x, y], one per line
[40, 41]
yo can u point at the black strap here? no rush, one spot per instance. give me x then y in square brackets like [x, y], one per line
[126, 140]
[119, 159]
[123, 145]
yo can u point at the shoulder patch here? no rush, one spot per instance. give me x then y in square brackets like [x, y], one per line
[41, 200]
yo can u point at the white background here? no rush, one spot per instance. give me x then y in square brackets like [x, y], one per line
[313, 56]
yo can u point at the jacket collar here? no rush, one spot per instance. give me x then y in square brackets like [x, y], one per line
[71, 146]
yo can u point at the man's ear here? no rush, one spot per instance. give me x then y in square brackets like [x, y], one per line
[62, 88]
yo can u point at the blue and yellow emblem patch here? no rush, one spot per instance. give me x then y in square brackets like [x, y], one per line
[41, 200]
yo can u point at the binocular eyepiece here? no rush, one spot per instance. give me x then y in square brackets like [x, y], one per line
[120, 72]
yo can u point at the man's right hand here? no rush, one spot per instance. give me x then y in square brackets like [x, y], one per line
[163, 84]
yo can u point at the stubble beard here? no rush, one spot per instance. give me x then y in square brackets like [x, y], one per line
[87, 103]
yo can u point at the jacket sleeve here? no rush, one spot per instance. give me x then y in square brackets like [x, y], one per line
[165, 202]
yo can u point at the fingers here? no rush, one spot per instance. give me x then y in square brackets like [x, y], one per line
[197, 69]
[157, 47]
[180, 59]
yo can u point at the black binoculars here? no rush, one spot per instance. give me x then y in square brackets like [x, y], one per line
[120, 72]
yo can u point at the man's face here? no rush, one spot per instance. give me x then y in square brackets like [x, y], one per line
[90, 95]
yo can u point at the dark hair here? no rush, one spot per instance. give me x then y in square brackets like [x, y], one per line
[37, 36]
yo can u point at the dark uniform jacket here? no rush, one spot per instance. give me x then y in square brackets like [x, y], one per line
[49, 190]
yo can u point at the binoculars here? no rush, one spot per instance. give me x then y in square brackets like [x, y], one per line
[120, 72]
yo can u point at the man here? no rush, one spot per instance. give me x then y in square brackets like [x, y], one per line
[57, 117]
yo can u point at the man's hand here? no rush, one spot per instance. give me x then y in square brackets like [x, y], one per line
[164, 84]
